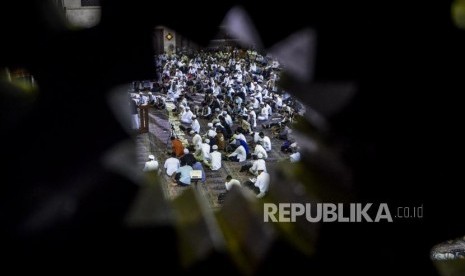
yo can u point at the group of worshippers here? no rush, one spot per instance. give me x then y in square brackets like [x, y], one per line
[140, 97]
[239, 100]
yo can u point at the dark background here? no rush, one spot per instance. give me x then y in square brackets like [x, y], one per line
[402, 128]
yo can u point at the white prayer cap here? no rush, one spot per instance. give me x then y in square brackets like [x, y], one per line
[210, 124]
[225, 112]
[194, 116]
[207, 141]
[151, 157]
[284, 105]
[150, 93]
[260, 155]
[215, 147]
[188, 108]
[192, 132]
[186, 151]
[217, 109]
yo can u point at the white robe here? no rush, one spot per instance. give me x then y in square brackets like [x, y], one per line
[263, 114]
[195, 126]
[186, 117]
[240, 153]
[197, 141]
[215, 160]
[260, 149]
[267, 143]
[253, 119]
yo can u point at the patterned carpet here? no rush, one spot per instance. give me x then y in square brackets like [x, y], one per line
[157, 142]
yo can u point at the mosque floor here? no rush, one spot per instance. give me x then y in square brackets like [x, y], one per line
[157, 142]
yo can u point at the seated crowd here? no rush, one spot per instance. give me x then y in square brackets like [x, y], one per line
[239, 104]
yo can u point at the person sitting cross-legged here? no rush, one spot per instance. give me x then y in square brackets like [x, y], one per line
[253, 167]
[260, 149]
[230, 182]
[260, 185]
[239, 155]
[177, 146]
[258, 165]
[266, 141]
[151, 165]
[171, 165]
[214, 163]
[182, 176]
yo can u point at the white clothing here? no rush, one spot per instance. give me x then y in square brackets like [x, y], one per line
[270, 111]
[171, 165]
[240, 153]
[241, 136]
[260, 149]
[197, 141]
[211, 133]
[295, 157]
[253, 118]
[206, 111]
[259, 164]
[135, 121]
[256, 104]
[186, 117]
[267, 143]
[263, 182]
[259, 96]
[263, 114]
[252, 87]
[231, 183]
[228, 119]
[215, 160]
[151, 165]
[205, 151]
[195, 126]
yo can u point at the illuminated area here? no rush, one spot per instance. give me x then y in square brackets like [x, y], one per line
[215, 118]
[81, 13]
